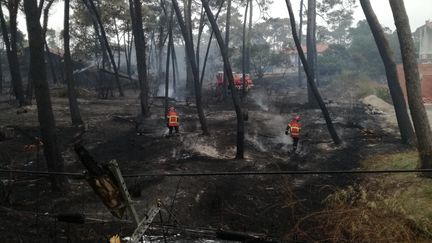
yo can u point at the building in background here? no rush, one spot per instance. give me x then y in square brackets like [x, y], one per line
[424, 36]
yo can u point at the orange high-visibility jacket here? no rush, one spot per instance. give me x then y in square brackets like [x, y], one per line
[172, 118]
[294, 128]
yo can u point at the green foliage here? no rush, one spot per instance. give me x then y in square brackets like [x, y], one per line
[364, 51]
[338, 15]
[334, 60]
[361, 56]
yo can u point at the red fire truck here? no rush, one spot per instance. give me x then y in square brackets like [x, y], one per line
[238, 80]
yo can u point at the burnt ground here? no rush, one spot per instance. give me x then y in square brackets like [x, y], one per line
[194, 207]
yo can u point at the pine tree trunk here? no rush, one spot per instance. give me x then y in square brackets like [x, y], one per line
[405, 128]
[108, 48]
[138, 32]
[175, 67]
[44, 29]
[248, 41]
[208, 51]
[45, 113]
[12, 57]
[191, 60]
[189, 69]
[227, 40]
[200, 30]
[72, 96]
[244, 52]
[300, 40]
[311, 45]
[1, 76]
[413, 85]
[310, 80]
[227, 67]
[167, 66]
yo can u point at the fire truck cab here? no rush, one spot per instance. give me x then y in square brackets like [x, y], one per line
[238, 80]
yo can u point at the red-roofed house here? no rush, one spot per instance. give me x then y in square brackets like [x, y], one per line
[293, 55]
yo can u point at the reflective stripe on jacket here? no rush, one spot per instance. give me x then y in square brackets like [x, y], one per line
[172, 118]
[295, 128]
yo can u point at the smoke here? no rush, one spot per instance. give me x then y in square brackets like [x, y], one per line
[161, 90]
[260, 98]
[267, 132]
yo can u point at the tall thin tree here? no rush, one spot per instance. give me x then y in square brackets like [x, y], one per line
[94, 12]
[191, 60]
[12, 48]
[405, 128]
[72, 96]
[309, 76]
[227, 41]
[311, 49]
[244, 51]
[227, 67]
[167, 66]
[140, 51]
[45, 114]
[413, 85]
[300, 40]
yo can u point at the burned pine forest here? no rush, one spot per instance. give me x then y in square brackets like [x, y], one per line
[215, 121]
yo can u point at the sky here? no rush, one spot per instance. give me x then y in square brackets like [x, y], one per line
[418, 12]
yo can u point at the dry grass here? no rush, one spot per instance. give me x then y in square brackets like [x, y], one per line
[384, 208]
[354, 215]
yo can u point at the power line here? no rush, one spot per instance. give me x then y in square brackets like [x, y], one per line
[225, 173]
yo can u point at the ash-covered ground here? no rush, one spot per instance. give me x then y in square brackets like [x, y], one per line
[193, 207]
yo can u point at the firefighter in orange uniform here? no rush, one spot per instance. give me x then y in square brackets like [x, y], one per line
[293, 129]
[172, 120]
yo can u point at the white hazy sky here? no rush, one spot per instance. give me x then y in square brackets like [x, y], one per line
[418, 12]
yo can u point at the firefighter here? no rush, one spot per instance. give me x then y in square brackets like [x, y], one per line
[293, 129]
[172, 120]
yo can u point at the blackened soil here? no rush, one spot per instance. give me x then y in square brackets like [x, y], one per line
[269, 205]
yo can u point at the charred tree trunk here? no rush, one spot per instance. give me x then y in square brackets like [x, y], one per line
[191, 60]
[208, 51]
[51, 63]
[200, 30]
[12, 52]
[188, 26]
[310, 80]
[174, 66]
[1, 76]
[72, 96]
[244, 53]
[248, 41]
[311, 46]
[140, 45]
[128, 50]
[227, 67]
[118, 43]
[45, 113]
[160, 47]
[167, 67]
[413, 85]
[227, 40]
[405, 128]
[108, 48]
[44, 29]
[300, 40]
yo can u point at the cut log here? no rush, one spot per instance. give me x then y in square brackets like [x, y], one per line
[103, 183]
